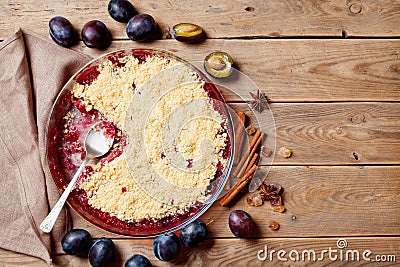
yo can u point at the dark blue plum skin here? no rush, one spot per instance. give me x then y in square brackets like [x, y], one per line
[240, 223]
[121, 10]
[167, 247]
[194, 233]
[62, 32]
[141, 27]
[102, 252]
[96, 35]
[138, 261]
[76, 242]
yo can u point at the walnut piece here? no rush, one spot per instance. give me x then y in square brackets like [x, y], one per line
[273, 225]
[255, 200]
[250, 130]
[279, 209]
[285, 152]
[266, 151]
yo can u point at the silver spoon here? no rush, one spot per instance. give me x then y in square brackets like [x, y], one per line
[96, 144]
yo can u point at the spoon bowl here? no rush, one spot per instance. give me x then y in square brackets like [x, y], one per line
[98, 142]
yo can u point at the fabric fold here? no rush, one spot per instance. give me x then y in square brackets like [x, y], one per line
[32, 72]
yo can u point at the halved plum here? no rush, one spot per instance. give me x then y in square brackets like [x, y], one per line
[187, 32]
[218, 64]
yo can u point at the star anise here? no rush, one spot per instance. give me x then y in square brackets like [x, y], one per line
[268, 190]
[273, 194]
[260, 101]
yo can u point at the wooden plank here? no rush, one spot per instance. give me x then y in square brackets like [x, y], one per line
[297, 70]
[320, 201]
[332, 134]
[240, 252]
[221, 19]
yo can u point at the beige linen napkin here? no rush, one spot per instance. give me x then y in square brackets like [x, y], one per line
[32, 71]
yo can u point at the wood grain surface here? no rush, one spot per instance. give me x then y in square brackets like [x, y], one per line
[225, 19]
[297, 70]
[333, 200]
[235, 252]
[332, 133]
[331, 73]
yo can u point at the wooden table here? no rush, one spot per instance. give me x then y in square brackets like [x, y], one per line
[331, 70]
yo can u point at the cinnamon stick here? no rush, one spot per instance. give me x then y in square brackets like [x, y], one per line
[247, 152]
[244, 163]
[252, 152]
[253, 161]
[240, 130]
[225, 200]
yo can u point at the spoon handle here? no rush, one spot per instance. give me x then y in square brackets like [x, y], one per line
[49, 221]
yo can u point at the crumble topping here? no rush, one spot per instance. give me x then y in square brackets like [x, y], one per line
[175, 138]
